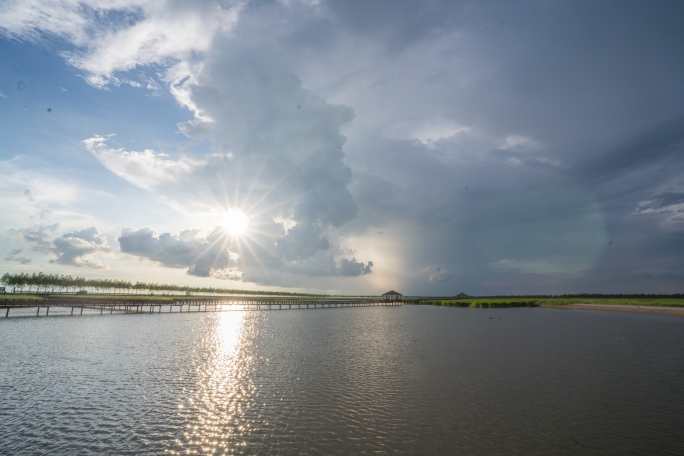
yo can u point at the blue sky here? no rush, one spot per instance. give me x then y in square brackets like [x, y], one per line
[432, 148]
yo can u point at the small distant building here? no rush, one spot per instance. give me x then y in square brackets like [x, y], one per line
[392, 296]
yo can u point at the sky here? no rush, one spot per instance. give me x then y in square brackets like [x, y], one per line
[431, 147]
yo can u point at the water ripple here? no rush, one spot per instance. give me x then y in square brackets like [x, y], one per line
[350, 381]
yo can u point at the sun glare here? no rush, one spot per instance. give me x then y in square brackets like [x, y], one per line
[235, 222]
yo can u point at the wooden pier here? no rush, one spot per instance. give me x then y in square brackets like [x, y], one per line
[68, 306]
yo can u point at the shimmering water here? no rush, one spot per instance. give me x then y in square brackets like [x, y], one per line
[410, 380]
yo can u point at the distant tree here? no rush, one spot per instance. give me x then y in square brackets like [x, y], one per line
[50, 283]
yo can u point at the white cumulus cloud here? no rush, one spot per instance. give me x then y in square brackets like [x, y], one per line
[114, 36]
[145, 169]
[77, 247]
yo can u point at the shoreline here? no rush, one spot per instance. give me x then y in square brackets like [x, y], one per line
[658, 310]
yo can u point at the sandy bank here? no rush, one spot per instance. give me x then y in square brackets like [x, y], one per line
[677, 311]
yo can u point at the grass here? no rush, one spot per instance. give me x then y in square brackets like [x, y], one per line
[522, 301]
[19, 297]
[483, 303]
[659, 302]
[117, 297]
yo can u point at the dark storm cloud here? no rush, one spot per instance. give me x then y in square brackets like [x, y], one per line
[352, 268]
[478, 211]
[664, 200]
[397, 23]
[595, 88]
[647, 148]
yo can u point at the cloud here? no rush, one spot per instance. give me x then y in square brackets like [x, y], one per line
[40, 236]
[117, 36]
[15, 257]
[31, 19]
[284, 142]
[437, 274]
[352, 268]
[145, 169]
[430, 134]
[73, 248]
[216, 255]
[35, 192]
[202, 255]
[492, 150]
[302, 241]
[20, 182]
[474, 209]
[165, 33]
[651, 145]
[519, 142]
[665, 201]
[669, 205]
[278, 156]
[76, 248]
[542, 266]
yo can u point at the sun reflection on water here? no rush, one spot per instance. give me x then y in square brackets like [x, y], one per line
[215, 411]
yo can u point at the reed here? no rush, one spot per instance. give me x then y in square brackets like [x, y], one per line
[553, 301]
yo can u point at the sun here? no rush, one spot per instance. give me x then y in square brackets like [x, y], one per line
[235, 222]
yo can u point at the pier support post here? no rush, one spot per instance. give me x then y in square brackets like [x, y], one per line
[7, 312]
[38, 311]
[81, 310]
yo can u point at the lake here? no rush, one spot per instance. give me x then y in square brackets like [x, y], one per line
[407, 380]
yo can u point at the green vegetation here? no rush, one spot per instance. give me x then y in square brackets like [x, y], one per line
[551, 301]
[673, 301]
[58, 283]
[482, 303]
[19, 297]
[120, 297]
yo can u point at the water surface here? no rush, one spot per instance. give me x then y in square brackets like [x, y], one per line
[409, 380]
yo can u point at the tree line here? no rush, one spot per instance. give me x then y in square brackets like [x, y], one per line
[63, 283]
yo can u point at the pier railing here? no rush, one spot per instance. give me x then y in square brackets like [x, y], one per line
[72, 306]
